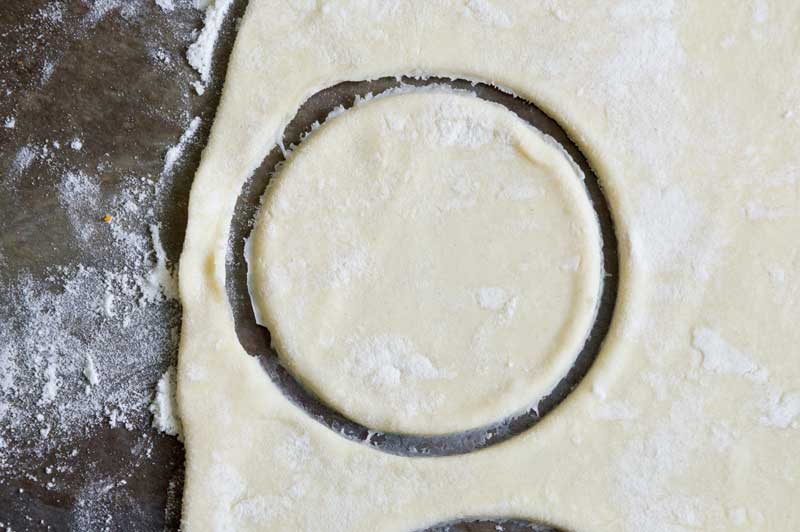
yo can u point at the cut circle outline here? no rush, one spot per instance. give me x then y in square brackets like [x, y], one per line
[256, 339]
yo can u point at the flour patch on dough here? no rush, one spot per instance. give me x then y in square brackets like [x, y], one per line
[349, 265]
[487, 12]
[646, 52]
[392, 365]
[492, 298]
[760, 10]
[614, 410]
[722, 358]
[448, 124]
[648, 462]
[672, 230]
[227, 486]
[782, 411]
[756, 211]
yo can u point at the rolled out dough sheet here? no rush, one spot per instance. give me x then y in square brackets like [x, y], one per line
[690, 416]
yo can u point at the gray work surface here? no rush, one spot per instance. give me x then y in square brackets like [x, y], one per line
[95, 80]
[100, 79]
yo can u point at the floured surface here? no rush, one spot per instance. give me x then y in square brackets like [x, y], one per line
[450, 273]
[93, 95]
[688, 419]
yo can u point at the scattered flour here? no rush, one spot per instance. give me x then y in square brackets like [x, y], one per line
[673, 230]
[62, 341]
[50, 388]
[521, 192]
[392, 364]
[760, 11]
[53, 13]
[78, 194]
[498, 300]
[488, 13]
[614, 411]
[108, 305]
[722, 358]
[166, 5]
[492, 298]
[82, 345]
[572, 264]
[96, 504]
[164, 407]
[201, 52]
[777, 275]
[90, 371]
[610, 409]
[756, 211]
[348, 266]
[47, 71]
[391, 360]
[175, 152]
[99, 9]
[779, 409]
[449, 124]
[198, 87]
[645, 465]
[160, 280]
[23, 159]
[783, 412]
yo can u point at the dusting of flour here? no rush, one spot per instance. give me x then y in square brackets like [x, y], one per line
[201, 52]
[83, 344]
[164, 408]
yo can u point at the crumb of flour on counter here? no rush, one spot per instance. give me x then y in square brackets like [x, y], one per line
[79, 194]
[76, 144]
[47, 71]
[198, 87]
[164, 407]
[10, 122]
[108, 304]
[201, 53]
[23, 159]
[90, 371]
[175, 152]
[160, 280]
[166, 5]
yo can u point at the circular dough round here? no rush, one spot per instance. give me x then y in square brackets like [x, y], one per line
[427, 263]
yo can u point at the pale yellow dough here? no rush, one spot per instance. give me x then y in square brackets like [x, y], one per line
[427, 263]
[690, 417]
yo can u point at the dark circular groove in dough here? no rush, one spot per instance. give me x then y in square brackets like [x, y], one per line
[256, 339]
[490, 525]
